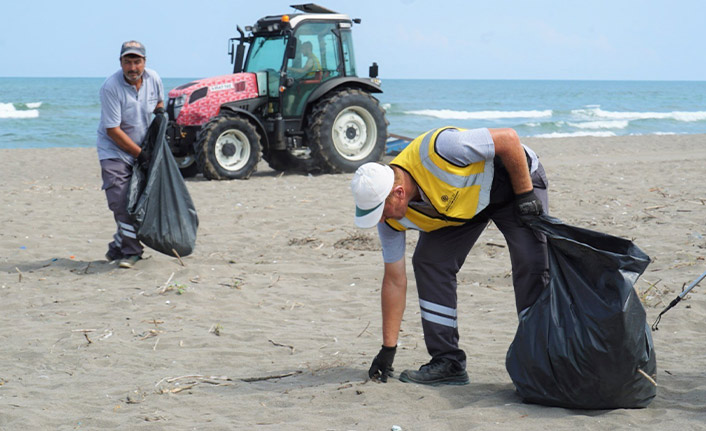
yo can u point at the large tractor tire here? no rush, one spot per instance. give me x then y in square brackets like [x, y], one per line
[345, 130]
[228, 148]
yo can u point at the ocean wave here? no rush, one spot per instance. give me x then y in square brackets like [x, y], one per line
[575, 135]
[596, 112]
[447, 114]
[615, 124]
[33, 105]
[8, 110]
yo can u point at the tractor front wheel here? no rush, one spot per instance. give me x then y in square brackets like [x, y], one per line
[228, 148]
[345, 130]
[187, 165]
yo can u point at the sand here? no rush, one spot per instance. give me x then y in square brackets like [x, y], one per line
[272, 322]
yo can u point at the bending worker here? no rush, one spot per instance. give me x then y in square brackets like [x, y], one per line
[448, 184]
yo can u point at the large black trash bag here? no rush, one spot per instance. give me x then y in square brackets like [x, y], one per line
[582, 344]
[158, 200]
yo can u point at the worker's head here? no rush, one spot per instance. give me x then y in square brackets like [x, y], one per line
[132, 60]
[306, 48]
[371, 185]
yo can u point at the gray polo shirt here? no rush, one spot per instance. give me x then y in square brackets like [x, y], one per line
[125, 107]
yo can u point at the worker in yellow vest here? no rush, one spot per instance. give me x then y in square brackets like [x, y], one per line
[312, 65]
[448, 184]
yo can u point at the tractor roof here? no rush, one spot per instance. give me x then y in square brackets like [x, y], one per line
[312, 12]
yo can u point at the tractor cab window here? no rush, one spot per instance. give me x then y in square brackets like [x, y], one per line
[265, 55]
[317, 59]
[348, 55]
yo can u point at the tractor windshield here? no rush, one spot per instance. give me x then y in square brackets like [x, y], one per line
[266, 53]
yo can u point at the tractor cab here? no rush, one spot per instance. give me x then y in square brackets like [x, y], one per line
[298, 52]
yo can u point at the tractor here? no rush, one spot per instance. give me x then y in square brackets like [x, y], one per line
[321, 119]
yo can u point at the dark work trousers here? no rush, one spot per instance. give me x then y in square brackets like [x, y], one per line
[116, 180]
[440, 254]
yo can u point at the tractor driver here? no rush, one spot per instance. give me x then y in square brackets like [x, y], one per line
[312, 65]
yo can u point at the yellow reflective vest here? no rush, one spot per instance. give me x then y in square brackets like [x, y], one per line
[457, 193]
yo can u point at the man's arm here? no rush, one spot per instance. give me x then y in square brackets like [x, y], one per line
[393, 298]
[511, 152]
[123, 141]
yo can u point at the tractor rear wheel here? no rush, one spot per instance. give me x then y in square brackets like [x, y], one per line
[345, 130]
[228, 148]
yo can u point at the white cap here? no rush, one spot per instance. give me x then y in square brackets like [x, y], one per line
[371, 185]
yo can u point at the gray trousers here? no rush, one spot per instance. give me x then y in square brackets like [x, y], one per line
[440, 254]
[116, 179]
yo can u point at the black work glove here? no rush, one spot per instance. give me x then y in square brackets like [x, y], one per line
[143, 159]
[159, 111]
[381, 367]
[528, 204]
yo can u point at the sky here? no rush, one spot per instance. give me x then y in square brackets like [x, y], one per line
[409, 39]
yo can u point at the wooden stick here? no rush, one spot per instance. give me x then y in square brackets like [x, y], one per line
[277, 376]
[645, 375]
[282, 345]
[178, 257]
[164, 288]
[20, 274]
[366, 328]
[183, 388]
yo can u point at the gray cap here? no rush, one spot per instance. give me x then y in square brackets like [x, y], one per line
[132, 47]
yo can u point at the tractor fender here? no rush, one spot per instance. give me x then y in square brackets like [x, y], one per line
[344, 82]
[238, 110]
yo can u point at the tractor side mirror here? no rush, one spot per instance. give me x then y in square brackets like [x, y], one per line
[373, 71]
[291, 49]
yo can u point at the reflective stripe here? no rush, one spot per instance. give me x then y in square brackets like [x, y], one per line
[435, 318]
[407, 223]
[125, 226]
[127, 230]
[459, 181]
[446, 311]
[129, 234]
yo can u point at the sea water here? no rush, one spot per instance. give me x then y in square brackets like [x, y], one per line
[64, 112]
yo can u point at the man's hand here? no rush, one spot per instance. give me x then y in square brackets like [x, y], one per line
[528, 204]
[381, 367]
[143, 159]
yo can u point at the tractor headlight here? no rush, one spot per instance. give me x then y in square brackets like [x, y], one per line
[178, 104]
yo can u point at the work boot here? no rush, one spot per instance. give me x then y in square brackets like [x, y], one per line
[437, 372]
[112, 255]
[129, 261]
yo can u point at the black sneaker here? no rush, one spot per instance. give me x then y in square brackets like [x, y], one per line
[439, 372]
[129, 261]
[112, 256]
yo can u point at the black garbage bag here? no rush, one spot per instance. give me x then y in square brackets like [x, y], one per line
[158, 201]
[585, 343]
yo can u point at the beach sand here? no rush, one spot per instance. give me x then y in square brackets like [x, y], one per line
[272, 322]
